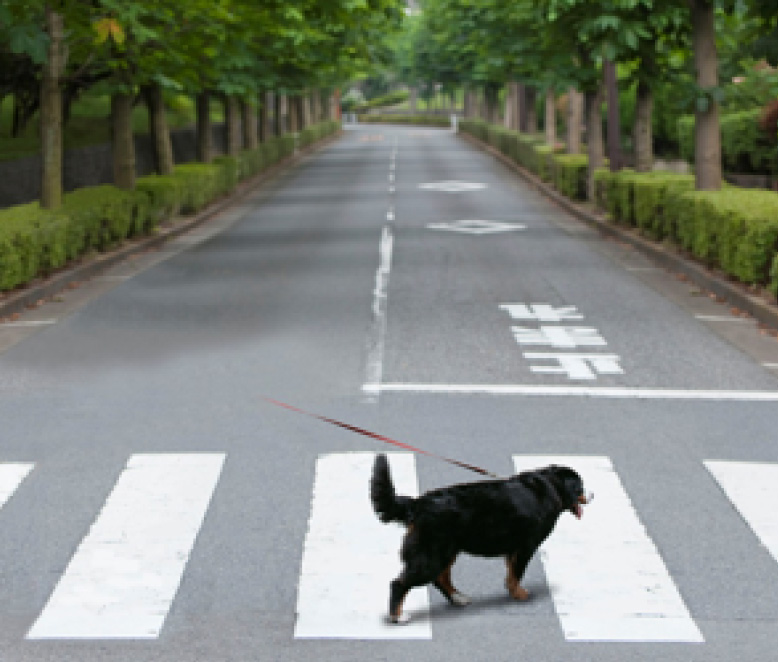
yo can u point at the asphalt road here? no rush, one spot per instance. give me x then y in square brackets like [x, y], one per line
[156, 508]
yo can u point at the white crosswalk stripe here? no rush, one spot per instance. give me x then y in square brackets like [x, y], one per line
[11, 476]
[350, 557]
[125, 574]
[606, 576]
[752, 488]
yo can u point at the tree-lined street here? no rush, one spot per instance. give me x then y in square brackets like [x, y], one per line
[156, 507]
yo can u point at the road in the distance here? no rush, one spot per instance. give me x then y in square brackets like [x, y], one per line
[156, 508]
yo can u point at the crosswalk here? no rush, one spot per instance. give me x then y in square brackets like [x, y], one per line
[606, 577]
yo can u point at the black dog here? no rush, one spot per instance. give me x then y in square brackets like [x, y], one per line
[509, 518]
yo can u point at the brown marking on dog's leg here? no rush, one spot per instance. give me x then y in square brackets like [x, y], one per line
[444, 584]
[512, 582]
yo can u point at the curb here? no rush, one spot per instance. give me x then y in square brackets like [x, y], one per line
[667, 257]
[35, 293]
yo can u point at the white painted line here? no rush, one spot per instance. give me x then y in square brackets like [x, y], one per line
[572, 391]
[752, 487]
[29, 323]
[11, 476]
[392, 189]
[770, 365]
[724, 318]
[125, 574]
[452, 186]
[376, 337]
[606, 577]
[390, 214]
[350, 557]
[391, 176]
[477, 227]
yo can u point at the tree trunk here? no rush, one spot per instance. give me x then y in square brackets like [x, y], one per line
[521, 104]
[510, 107]
[550, 120]
[160, 132]
[595, 150]
[234, 135]
[530, 95]
[204, 129]
[707, 131]
[266, 130]
[51, 113]
[123, 142]
[644, 140]
[281, 114]
[250, 125]
[573, 121]
[614, 123]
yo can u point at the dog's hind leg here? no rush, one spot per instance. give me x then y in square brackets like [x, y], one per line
[517, 564]
[446, 587]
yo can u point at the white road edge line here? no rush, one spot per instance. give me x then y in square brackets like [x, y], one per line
[724, 318]
[375, 387]
[29, 323]
[349, 557]
[376, 337]
[606, 576]
[125, 574]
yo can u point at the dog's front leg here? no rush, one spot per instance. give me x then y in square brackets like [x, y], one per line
[517, 564]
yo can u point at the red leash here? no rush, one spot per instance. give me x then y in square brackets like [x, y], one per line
[380, 437]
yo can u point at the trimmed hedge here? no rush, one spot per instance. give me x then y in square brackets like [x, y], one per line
[569, 174]
[733, 229]
[34, 241]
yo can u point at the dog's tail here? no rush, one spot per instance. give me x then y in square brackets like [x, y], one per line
[388, 506]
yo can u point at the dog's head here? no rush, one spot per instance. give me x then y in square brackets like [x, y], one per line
[568, 488]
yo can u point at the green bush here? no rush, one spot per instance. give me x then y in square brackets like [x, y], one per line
[200, 183]
[103, 216]
[164, 193]
[774, 276]
[542, 164]
[569, 174]
[229, 172]
[736, 229]
[651, 191]
[476, 128]
[745, 147]
[31, 239]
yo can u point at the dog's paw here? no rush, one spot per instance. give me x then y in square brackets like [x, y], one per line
[400, 619]
[519, 593]
[459, 599]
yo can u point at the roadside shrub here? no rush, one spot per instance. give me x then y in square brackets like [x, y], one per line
[735, 229]
[569, 174]
[651, 191]
[200, 183]
[542, 164]
[25, 245]
[102, 216]
[164, 193]
[229, 172]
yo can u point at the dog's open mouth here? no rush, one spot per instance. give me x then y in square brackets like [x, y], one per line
[578, 505]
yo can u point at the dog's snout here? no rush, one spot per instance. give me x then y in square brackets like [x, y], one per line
[586, 498]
